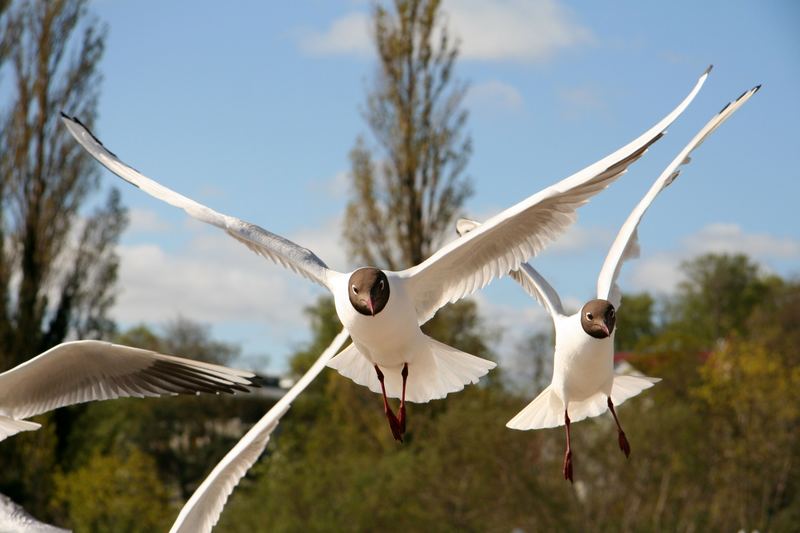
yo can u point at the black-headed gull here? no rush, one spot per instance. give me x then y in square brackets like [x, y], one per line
[383, 310]
[202, 510]
[15, 519]
[84, 371]
[584, 383]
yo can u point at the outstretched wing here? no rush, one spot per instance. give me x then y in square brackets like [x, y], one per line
[532, 282]
[83, 371]
[203, 509]
[13, 517]
[626, 245]
[504, 241]
[264, 243]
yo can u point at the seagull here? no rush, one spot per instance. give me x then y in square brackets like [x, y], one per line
[383, 310]
[584, 383]
[201, 512]
[13, 518]
[83, 371]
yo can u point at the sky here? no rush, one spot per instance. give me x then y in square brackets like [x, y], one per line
[252, 107]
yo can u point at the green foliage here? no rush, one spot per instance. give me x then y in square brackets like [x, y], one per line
[718, 296]
[113, 493]
[635, 326]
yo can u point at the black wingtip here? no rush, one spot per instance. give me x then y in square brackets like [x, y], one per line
[64, 115]
[726, 106]
[708, 69]
[756, 88]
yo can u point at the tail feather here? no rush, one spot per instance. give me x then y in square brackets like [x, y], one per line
[628, 386]
[547, 409]
[433, 374]
[10, 426]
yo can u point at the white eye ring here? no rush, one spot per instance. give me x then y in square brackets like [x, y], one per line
[589, 316]
[381, 285]
[355, 289]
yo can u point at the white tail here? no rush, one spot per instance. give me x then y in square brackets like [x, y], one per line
[432, 375]
[547, 409]
[11, 426]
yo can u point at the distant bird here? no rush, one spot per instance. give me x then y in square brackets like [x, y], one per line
[383, 310]
[15, 519]
[201, 512]
[85, 371]
[584, 383]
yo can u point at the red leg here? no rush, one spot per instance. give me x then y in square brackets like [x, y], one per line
[623, 440]
[394, 424]
[402, 417]
[568, 454]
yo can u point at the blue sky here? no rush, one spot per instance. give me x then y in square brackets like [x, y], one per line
[252, 108]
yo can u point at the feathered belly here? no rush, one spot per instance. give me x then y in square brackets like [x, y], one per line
[586, 369]
[390, 338]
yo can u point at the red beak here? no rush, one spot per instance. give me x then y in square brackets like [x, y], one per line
[605, 329]
[372, 308]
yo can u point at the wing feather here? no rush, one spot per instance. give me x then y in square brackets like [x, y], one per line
[203, 509]
[266, 244]
[532, 282]
[83, 371]
[626, 244]
[504, 241]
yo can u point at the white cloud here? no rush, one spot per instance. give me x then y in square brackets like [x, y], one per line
[730, 238]
[145, 221]
[516, 30]
[347, 35]
[214, 278]
[504, 30]
[493, 95]
[661, 272]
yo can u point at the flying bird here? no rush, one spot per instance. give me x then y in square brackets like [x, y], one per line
[15, 519]
[584, 383]
[201, 512]
[383, 310]
[84, 371]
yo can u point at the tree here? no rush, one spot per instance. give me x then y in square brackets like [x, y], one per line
[405, 203]
[58, 264]
[635, 324]
[717, 297]
[114, 493]
[64, 259]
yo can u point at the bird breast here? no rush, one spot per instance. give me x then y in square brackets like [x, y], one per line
[391, 336]
[582, 365]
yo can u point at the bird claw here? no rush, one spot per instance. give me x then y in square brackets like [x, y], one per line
[568, 466]
[395, 426]
[624, 445]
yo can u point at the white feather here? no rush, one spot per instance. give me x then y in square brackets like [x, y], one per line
[203, 509]
[83, 371]
[507, 239]
[626, 244]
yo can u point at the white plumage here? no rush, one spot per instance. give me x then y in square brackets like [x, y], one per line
[202, 510]
[455, 271]
[15, 519]
[583, 368]
[84, 371]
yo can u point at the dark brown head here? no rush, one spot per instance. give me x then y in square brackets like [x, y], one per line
[598, 318]
[369, 291]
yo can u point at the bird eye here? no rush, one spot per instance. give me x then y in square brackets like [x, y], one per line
[589, 316]
[611, 314]
[381, 285]
[355, 289]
